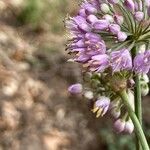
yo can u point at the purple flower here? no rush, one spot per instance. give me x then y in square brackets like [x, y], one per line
[99, 63]
[94, 47]
[78, 25]
[142, 62]
[101, 25]
[82, 57]
[101, 106]
[75, 88]
[121, 60]
[87, 46]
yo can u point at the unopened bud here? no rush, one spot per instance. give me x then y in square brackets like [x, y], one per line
[104, 8]
[129, 127]
[122, 36]
[92, 19]
[114, 28]
[144, 89]
[147, 3]
[130, 5]
[101, 24]
[75, 88]
[115, 112]
[119, 125]
[131, 99]
[148, 11]
[142, 48]
[118, 19]
[108, 18]
[139, 16]
[144, 78]
[113, 1]
[88, 95]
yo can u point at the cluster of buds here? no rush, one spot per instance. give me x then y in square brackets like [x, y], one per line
[110, 38]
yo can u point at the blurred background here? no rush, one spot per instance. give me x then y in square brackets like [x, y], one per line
[36, 111]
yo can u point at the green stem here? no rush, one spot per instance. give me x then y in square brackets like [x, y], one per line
[137, 99]
[138, 104]
[137, 125]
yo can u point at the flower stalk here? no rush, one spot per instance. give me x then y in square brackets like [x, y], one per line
[137, 99]
[138, 105]
[138, 127]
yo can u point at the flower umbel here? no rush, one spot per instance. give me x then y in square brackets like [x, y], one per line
[111, 40]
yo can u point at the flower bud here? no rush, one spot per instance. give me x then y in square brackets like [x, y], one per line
[104, 8]
[84, 27]
[144, 89]
[87, 76]
[142, 48]
[88, 95]
[118, 19]
[92, 19]
[144, 79]
[75, 88]
[115, 103]
[109, 18]
[119, 125]
[139, 15]
[131, 99]
[138, 6]
[101, 25]
[147, 3]
[130, 5]
[122, 36]
[90, 9]
[148, 11]
[129, 127]
[113, 1]
[115, 112]
[82, 12]
[114, 28]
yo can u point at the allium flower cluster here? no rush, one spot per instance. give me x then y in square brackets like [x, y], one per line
[106, 37]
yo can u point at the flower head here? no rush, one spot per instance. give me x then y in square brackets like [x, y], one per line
[105, 37]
